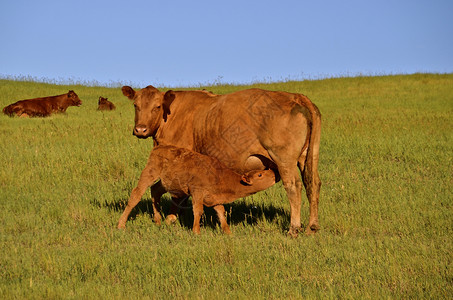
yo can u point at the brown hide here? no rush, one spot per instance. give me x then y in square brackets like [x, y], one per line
[245, 130]
[183, 172]
[43, 107]
[105, 104]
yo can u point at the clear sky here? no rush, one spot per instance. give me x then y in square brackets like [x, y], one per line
[176, 42]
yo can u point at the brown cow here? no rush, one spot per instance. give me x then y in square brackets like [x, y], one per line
[104, 104]
[183, 172]
[43, 107]
[246, 130]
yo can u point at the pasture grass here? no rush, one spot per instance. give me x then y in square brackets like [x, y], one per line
[386, 205]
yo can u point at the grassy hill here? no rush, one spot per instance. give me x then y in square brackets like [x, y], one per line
[386, 205]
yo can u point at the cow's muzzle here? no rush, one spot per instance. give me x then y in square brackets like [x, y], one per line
[141, 131]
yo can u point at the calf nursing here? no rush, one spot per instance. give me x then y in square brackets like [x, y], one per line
[183, 172]
[246, 130]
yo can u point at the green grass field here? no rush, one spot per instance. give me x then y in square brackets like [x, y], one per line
[386, 205]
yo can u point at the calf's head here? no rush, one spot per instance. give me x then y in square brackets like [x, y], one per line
[259, 179]
[74, 99]
[102, 100]
[151, 107]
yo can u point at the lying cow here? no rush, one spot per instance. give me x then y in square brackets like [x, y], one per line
[183, 172]
[245, 130]
[43, 107]
[104, 104]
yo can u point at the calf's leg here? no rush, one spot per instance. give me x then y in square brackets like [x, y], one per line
[157, 190]
[197, 205]
[146, 180]
[175, 209]
[220, 209]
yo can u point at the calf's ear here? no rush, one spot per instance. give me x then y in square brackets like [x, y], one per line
[128, 92]
[245, 179]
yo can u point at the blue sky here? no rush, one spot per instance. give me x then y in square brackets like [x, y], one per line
[176, 43]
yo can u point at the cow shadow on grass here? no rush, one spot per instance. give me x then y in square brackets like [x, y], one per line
[238, 212]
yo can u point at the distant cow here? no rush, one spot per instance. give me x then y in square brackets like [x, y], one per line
[104, 104]
[245, 130]
[183, 172]
[42, 107]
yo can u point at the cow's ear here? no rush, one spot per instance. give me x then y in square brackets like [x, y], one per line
[128, 92]
[168, 99]
[246, 180]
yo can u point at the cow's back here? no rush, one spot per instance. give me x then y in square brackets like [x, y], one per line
[31, 107]
[236, 126]
[250, 122]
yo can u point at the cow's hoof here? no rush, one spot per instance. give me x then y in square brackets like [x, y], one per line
[293, 231]
[311, 230]
[170, 219]
[158, 220]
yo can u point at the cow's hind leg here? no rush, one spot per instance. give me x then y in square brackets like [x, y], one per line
[293, 185]
[312, 184]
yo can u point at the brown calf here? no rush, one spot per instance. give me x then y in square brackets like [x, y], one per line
[42, 107]
[104, 104]
[183, 172]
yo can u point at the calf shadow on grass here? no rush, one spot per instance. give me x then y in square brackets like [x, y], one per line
[237, 212]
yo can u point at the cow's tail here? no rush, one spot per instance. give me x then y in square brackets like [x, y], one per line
[310, 174]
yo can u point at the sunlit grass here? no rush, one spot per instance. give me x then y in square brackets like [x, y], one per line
[385, 208]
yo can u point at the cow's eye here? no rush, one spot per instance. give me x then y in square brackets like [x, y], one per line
[259, 175]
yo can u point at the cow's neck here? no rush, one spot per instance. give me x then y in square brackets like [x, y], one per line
[177, 129]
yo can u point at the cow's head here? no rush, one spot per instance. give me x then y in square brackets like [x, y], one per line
[151, 107]
[74, 99]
